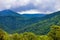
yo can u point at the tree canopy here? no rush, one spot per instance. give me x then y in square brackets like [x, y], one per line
[53, 34]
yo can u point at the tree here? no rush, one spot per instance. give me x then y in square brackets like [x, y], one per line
[55, 32]
[29, 36]
[16, 36]
[3, 35]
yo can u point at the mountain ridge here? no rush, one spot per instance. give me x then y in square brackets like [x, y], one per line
[43, 26]
[8, 13]
[10, 21]
[38, 25]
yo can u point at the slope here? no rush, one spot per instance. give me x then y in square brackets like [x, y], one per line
[42, 26]
[11, 21]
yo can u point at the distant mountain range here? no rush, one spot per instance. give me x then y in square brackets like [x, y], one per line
[38, 23]
[12, 13]
[11, 21]
[42, 26]
[33, 15]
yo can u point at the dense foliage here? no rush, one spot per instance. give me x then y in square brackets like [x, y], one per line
[53, 34]
[13, 22]
[43, 25]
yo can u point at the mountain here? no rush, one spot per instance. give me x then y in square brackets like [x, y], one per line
[33, 15]
[11, 21]
[32, 18]
[8, 13]
[42, 26]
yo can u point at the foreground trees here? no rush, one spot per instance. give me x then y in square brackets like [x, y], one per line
[3, 35]
[54, 34]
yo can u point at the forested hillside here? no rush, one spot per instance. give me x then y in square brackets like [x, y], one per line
[11, 21]
[53, 34]
[18, 23]
[42, 26]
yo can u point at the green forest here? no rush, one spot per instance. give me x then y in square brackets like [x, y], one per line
[53, 34]
[17, 27]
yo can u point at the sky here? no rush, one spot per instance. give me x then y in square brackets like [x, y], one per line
[31, 6]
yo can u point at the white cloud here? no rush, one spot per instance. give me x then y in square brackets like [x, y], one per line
[46, 6]
[18, 3]
[57, 5]
[43, 2]
[41, 5]
[29, 12]
[7, 4]
[34, 12]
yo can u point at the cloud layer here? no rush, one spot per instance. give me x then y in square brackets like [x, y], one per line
[27, 5]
